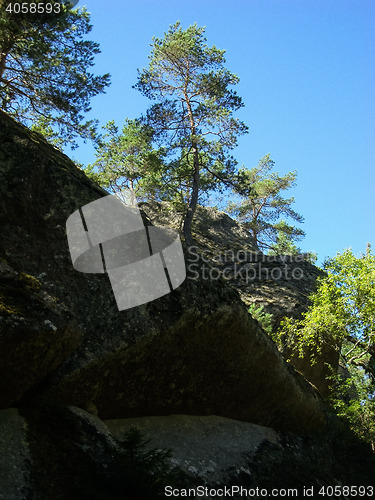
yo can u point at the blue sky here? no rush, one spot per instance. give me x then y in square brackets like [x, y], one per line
[307, 79]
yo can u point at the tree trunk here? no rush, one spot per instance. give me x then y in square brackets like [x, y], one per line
[3, 57]
[4, 52]
[194, 198]
[195, 189]
[133, 200]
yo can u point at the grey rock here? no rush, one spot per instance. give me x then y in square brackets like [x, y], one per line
[14, 455]
[52, 451]
[281, 284]
[209, 449]
[195, 350]
[213, 230]
[36, 335]
[215, 453]
[208, 361]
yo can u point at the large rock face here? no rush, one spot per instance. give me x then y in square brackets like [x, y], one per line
[215, 452]
[213, 361]
[51, 451]
[64, 342]
[210, 449]
[280, 284]
[195, 350]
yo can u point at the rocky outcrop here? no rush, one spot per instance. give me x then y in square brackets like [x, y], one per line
[210, 450]
[214, 359]
[196, 350]
[36, 334]
[213, 230]
[52, 451]
[67, 350]
[280, 284]
[215, 452]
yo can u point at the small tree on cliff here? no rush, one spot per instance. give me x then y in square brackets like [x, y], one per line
[193, 115]
[261, 207]
[44, 69]
[127, 162]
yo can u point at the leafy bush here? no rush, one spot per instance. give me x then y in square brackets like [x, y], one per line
[263, 318]
[342, 316]
[353, 399]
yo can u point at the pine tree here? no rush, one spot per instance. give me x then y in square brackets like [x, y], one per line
[193, 114]
[261, 205]
[126, 161]
[44, 69]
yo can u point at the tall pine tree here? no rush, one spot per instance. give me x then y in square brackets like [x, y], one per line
[193, 115]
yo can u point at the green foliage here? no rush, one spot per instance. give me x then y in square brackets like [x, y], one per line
[126, 162]
[44, 71]
[263, 318]
[353, 399]
[342, 315]
[355, 278]
[192, 118]
[343, 306]
[284, 242]
[261, 205]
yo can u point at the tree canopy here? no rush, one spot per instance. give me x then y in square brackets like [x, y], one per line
[44, 70]
[283, 242]
[343, 308]
[192, 117]
[261, 207]
[126, 161]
